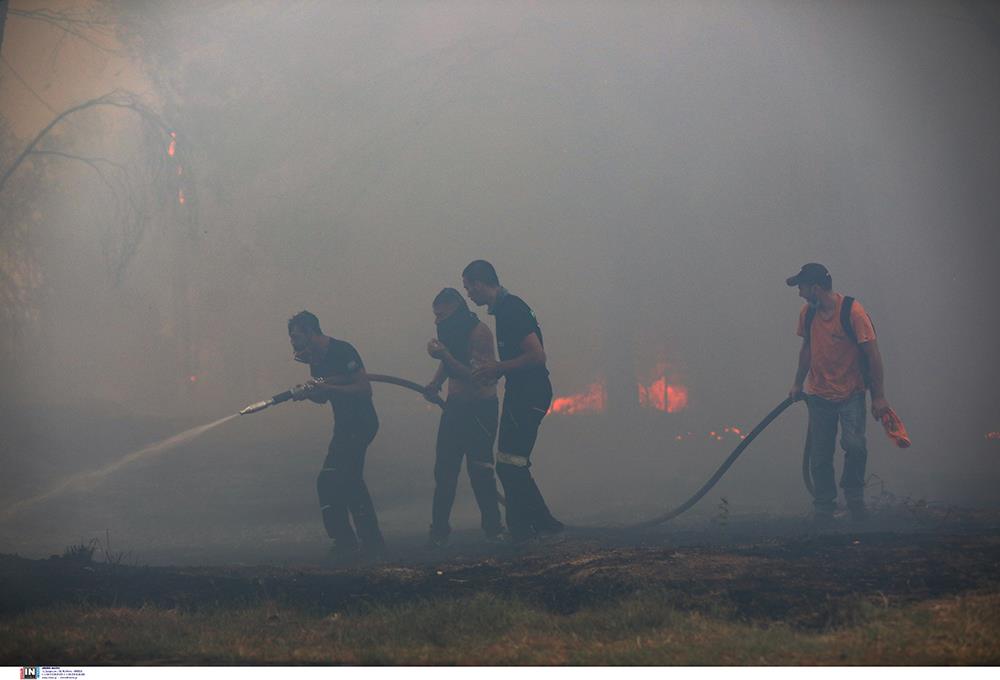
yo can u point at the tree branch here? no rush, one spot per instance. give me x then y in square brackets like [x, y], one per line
[68, 23]
[116, 99]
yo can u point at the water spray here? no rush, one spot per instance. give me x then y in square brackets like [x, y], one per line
[87, 480]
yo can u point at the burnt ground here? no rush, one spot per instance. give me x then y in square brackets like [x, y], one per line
[751, 569]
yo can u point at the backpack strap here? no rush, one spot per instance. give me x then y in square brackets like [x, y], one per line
[845, 322]
[807, 324]
[845, 318]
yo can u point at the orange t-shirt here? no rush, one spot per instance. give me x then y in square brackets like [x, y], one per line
[835, 368]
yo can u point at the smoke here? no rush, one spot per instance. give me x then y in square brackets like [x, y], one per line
[644, 175]
[88, 481]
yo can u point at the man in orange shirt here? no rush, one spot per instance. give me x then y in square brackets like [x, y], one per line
[841, 358]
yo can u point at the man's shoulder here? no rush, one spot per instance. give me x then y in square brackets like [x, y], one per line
[337, 345]
[857, 307]
[343, 353]
[512, 304]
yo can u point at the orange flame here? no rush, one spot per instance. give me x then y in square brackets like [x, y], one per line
[173, 144]
[594, 399]
[180, 196]
[663, 396]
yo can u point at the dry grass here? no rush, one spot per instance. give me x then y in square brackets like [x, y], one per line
[645, 628]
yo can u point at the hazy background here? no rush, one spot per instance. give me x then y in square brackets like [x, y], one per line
[645, 175]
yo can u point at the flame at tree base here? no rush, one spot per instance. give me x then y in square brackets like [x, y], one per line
[593, 400]
[663, 396]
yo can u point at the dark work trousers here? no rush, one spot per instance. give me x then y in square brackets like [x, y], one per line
[824, 416]
[523, 411]
[467, 430]
[342, 490]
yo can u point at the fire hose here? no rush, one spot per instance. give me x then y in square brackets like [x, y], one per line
[301, 391]
[679, 510]
[714, 479]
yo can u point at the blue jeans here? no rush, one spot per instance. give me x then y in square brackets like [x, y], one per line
[823, 418]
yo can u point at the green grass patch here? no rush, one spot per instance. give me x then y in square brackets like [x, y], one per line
[646, 628]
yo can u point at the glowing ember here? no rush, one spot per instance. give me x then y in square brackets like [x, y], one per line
[993, 435]
[180, 196]
[173, 144]
[593, 400]
[663, 396]
[735, 430]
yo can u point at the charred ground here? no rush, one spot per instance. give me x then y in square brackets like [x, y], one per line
[755, 572]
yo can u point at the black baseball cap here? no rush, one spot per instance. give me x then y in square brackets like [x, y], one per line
[811, 272]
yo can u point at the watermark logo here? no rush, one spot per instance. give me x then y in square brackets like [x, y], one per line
[29, 672]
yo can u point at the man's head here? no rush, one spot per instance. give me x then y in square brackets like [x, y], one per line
[481, 282]
[813, 280]
[303, 330]
[446, 303]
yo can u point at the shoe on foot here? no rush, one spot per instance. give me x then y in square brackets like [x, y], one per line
[436, 541]
[499, 538]
[551, 527]
[343, 555]
[822, 520]
[372, 553]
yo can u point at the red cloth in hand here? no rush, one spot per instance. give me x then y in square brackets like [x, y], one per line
[895, 429]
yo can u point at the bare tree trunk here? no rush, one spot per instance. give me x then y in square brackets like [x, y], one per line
[3, 21]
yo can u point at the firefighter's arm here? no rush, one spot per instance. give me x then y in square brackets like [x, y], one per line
[805, 358]
[533, 354]
[875, 378]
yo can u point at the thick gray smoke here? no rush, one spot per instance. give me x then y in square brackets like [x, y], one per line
[645, 175]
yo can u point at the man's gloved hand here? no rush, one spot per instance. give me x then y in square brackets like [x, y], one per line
[879, 408]
[301, 392]
[431, 391]
[436, 349]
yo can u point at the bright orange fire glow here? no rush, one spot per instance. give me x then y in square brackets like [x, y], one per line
[180, 196]
[663, 396]
[593, 400]
[173, 144]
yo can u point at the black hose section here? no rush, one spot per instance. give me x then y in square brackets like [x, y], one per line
[403, 382]
[284, 396]
[806, 468]
[689, 503]
[686, 505]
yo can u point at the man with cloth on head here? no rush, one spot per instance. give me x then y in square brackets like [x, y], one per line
[468, 424]
[840, 355]
[527, 396]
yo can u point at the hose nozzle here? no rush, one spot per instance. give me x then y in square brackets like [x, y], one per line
[254, 408]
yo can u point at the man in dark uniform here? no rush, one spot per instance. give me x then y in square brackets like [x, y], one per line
[469, 421]
[527, 396]
[338, 376]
